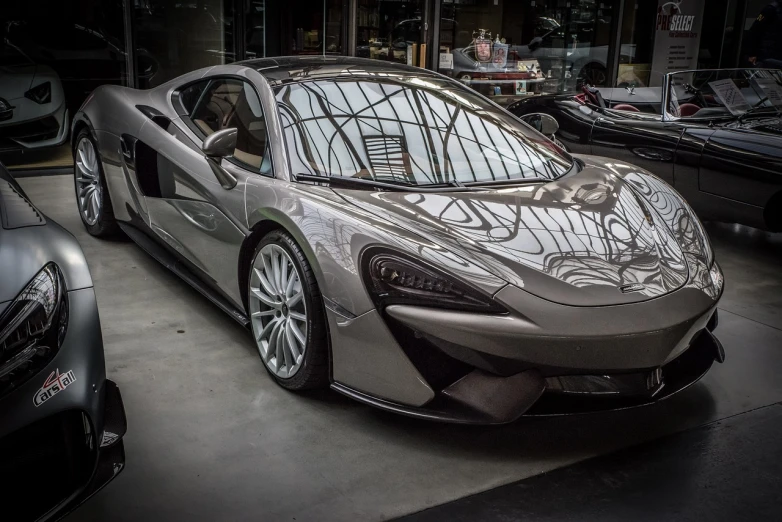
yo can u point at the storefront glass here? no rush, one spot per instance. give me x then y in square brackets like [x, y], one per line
[274, 29]
[388, 30]
[509, 49]
[53, 54]
[174, 37]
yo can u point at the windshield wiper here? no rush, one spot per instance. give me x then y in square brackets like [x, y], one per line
[756, 107]
[370, 184]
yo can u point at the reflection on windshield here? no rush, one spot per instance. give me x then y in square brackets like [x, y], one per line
[716, 93]
[411, 130]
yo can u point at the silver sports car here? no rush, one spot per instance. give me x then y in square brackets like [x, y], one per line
[388, 232]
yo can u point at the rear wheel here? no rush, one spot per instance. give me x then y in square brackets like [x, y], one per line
[92, 194]
[286, 314]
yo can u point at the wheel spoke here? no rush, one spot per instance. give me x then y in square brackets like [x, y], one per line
[283, 276]
[290, 284]
[265, 331]
[265, 299]
[291, 337]
[297, 316]
[275, 290]
[297, 332]
[286, 350]
[266, 284]
[279, 349]
[267, 269]
[87, 176]
[294, 299]
[94, 203]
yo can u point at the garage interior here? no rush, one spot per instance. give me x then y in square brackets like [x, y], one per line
[212, 437]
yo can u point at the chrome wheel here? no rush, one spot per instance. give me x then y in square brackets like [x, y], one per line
[278, 311]
[88, 188]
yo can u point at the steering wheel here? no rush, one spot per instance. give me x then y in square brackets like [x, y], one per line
[690, 89]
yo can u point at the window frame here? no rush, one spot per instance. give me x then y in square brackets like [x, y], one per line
[186, 117]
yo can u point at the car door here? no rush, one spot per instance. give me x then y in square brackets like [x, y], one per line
[190, 209]
[740, 171]
[643, 141]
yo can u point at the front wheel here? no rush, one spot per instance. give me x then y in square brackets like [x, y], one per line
[286, 314]
[92, 194]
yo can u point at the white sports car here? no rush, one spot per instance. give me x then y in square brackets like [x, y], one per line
[33, 114]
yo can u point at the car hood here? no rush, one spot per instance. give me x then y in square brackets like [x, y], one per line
[587, 239]
[28, 241]
[16, 80]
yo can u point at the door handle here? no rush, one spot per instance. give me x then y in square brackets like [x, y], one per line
[157, 117]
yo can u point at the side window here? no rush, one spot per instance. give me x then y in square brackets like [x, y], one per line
[234, 103]
[190, 96]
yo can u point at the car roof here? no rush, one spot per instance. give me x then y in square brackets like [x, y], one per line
[287, 69]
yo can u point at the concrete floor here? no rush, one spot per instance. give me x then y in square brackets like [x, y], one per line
[211, 437]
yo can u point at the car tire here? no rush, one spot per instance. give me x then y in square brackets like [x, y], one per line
[309, 368]
[92, 193]
[595, 74]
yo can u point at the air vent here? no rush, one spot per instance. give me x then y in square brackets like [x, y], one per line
[15, 210]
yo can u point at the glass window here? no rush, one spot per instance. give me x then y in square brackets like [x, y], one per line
[190, 96]
[389, 30]
[408, 129]
[509, 50]
[277, 29]
[174, 38]
[73, 46]
[234, 104]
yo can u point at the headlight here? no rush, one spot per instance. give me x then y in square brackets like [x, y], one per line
[32, 327]
[395, 278]
[5, 109]
[40, 93]
[716, 277]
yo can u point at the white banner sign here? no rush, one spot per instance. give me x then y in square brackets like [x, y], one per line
[677, 37]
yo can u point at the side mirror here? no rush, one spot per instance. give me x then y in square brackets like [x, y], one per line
[543, 123]
[217, 146]
[220, 144]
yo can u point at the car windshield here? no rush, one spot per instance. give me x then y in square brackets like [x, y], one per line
[411, 130]
[724, 92]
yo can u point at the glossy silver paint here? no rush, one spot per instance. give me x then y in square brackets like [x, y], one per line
[555, 254]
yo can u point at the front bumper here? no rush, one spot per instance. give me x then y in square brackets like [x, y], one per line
[499, 400]
[63, 450]
[41, 132]
[490, 369]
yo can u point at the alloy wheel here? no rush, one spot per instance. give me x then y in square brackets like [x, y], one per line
[278, 311]
[89, 191]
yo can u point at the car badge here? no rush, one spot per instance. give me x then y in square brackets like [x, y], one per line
[54, 384]
[635, 287]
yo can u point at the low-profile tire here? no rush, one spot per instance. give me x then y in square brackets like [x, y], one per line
[286, 314]
[92, 193]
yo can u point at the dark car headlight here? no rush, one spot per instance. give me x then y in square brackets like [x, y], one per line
[396, 278]
[32, 327]
[40, 93]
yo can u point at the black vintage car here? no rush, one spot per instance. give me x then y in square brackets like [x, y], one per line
[715, 135]
[61, 420]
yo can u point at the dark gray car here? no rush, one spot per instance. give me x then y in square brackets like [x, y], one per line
[389, 232]
[61, 420]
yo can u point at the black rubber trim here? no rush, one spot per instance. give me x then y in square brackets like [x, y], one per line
[164, 257]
